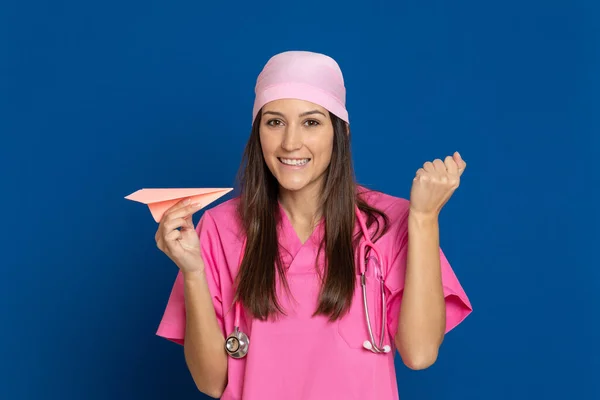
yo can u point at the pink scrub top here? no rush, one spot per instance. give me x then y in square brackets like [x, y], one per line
[300, 357]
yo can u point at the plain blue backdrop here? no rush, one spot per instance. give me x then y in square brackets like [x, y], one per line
[99, 99]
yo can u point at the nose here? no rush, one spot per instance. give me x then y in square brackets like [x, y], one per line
[292, 138]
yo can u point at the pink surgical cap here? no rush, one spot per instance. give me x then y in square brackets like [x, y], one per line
[305, 76]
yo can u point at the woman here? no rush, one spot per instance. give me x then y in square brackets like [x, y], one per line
[280, 265]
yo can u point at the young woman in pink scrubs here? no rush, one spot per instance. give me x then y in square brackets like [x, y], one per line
[281, 267]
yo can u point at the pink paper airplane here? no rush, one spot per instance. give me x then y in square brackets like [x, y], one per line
[160, 200]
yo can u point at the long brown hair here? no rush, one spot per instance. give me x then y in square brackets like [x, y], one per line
[258, 211]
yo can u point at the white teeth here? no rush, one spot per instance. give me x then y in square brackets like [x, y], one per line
[294, 162]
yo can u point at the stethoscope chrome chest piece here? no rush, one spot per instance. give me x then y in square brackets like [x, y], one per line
[237, 343]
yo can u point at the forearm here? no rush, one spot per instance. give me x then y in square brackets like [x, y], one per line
[422, 319]
[204, 344]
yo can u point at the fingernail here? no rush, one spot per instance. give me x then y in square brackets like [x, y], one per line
[187, 201]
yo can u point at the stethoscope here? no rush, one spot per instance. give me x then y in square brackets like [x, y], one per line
[237, 343]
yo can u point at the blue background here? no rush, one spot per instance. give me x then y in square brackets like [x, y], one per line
[99, 99]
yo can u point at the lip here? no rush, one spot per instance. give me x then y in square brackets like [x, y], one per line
[294, 167]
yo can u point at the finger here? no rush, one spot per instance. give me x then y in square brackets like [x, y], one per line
[428, 166]
[439, 165]
[177, 219]
[457, 157]
[451, 165]
[188, 222]
[419, 173]
[184, 211]
[179, 205]
[173, 224]
[459, 162]
[173, 235]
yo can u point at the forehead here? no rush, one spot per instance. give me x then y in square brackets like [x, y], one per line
[292, 106]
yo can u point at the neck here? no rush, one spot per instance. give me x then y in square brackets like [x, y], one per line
[302, 206]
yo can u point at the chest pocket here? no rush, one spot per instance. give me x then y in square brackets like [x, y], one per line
[353, 328]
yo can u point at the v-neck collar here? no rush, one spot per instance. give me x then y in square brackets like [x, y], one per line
[289, 239]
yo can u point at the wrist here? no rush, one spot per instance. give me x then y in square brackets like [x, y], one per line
[423, 218]
[194, 273]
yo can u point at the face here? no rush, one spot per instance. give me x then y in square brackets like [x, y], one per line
[297, 141]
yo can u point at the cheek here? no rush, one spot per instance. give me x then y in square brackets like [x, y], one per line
[267, 144]
[323, 150]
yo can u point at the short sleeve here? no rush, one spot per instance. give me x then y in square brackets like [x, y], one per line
[172, 324]
[458, 306]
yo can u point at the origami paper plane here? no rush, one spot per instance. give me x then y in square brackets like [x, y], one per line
[160, 200]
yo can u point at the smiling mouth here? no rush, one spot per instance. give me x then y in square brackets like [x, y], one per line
[295, 162]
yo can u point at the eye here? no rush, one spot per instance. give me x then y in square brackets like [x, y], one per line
[312, 122]
[274, 122]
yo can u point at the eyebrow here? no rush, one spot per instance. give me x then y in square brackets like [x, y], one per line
[304, 114]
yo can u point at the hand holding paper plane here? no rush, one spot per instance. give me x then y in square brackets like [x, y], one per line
[160, 200]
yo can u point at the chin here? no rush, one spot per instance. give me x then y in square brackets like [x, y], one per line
[295, 181]
[292, 186]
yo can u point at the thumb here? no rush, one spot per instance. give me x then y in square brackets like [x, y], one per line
[188, 222]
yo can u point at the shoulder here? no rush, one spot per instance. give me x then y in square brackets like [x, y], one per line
[224, 211]
[222, 218]
[396, 208]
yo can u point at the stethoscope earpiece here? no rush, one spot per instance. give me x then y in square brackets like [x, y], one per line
[367, 345]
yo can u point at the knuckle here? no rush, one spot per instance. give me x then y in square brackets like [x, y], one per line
[170, 224]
